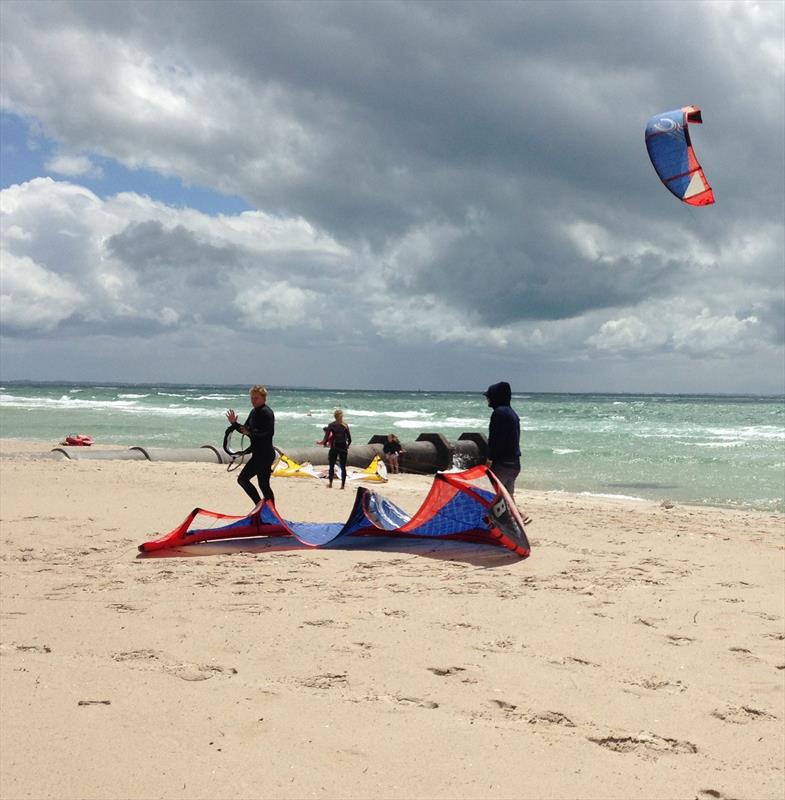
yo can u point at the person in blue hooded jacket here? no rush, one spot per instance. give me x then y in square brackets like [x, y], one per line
[504, 436]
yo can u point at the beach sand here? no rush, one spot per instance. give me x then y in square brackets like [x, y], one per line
[638, 653]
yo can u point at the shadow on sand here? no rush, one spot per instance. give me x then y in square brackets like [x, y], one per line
[478, 555]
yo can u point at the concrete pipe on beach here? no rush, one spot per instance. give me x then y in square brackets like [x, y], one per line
[432, 452]
[89, 454]
[207, 454]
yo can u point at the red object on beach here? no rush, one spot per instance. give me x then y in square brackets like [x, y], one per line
[79, 440]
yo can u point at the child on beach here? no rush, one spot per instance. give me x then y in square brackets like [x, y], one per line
[338, 438]
[391, 452]
[259, 427]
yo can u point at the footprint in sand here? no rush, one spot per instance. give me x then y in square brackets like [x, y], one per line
[444, 671]
[396, 700]
[511, 711]
[506, 645]
[743, 654]
[325, 623]
[567, 660]
[454, 626]
[415, 701]
[679, 641]
[327, 680]
[197, 672]
[648, 745]
[741, 715]
[186, 671]
[655, 684]
[25, 648]
[123, 607]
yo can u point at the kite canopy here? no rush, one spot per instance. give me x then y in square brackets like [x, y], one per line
[289, 468]
[471, 505]
[671, 153]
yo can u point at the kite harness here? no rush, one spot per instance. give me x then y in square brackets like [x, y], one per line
[237, 456]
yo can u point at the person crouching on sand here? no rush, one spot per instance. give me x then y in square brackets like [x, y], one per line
[259, 427]
[391, 451]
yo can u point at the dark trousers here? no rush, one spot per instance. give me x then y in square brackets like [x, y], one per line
[340, 456]
[260, 466]
[506, 473]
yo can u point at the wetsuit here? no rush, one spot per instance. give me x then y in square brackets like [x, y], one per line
[340, 438]
[260, 427]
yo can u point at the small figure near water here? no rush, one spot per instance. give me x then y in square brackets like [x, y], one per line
[392, 452]
[338, 438]
[259, 427]
[504, 436]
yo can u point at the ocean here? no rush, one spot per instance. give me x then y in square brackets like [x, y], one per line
[704, 450]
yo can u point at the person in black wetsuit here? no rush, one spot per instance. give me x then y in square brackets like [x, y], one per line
[259, 428]
[338, 438]
[504, 436]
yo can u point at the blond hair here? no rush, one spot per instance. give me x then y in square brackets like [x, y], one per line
[257, 388]
[338, 414]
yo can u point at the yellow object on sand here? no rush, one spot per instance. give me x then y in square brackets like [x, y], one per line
[289, 468]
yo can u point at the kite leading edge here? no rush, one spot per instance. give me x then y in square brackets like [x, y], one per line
[671, 154]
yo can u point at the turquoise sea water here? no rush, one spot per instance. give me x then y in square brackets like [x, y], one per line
[726, 451]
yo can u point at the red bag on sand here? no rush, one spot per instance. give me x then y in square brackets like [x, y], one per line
[78, 440]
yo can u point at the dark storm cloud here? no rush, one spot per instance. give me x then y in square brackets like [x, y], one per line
[174, 254]
[486, 155]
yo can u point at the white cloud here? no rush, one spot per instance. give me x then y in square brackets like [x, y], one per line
[34, 298]
[709, 334]
[73, 166]
[278, 306]
[627, 334]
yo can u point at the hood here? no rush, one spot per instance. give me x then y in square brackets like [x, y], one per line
[499, 394]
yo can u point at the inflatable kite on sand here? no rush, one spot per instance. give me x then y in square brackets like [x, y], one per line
[289, 468]
[471, 506]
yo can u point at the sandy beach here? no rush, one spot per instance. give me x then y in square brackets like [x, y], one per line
[638, 653]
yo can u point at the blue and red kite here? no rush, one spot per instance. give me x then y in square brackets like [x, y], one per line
[471, 506]
[671, 153]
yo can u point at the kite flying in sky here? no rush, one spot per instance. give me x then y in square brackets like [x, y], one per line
[671, 153]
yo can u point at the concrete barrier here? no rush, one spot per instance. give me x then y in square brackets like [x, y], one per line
[206, 454]
[88, 454]
[432, 452]
[429, 453]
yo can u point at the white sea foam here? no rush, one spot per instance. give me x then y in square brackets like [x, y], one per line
[613, 496]
[66, 403]
[736, 443]
[465, 424]
[232, 397]
[132, 396]
[563, 451]
[409, 414]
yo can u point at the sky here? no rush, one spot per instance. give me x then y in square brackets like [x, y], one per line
[390, 195]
